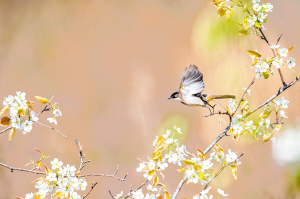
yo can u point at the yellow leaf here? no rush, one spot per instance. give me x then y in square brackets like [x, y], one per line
[243, 32]
[156, 155]
[47, 170]
[245, 22]
[152, 172]
[30, 104]
[38, 165]
[36, 196]
[201, 176]
[291, 48]
[38, 150]
[3, 110]
[41, 99]
[5, 121]
[40, 178]
[220, 9]
[267, 136]
[11, 133]
[167, 196]
[77, 173]
[265, 114]
[182, 170]
[160, 197]
[266, 74]
[219, 149]
[161, 184]
[217, 2]
[60, 194]
[189, 162]
[233, 169]
[200, 154]
[155, 180]
[253, 54]
[245, 8]
[229, 13]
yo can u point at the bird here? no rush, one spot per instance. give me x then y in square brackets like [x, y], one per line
[191, 87]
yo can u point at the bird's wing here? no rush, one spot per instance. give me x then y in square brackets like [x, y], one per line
[191, 81]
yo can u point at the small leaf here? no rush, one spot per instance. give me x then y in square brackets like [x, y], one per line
[3, 110]
[38, 150]
[5, 121]
[229, 14]
[265, 114]
[38, 165]
[182, 170]
[167, 196]
[30, 105]
[200, 154]
[47, 170]
[60, 194]
[220, 10]
[189, 162]
[243, 32]
[155, 180]
[201, 176]
[77, 173]
[233, 169]
[245, 8]
[41, 99]
[11, 133]
[219, 149]
[245, 22]
[40, 178]
[266, 74]
[291, 48]
[36, 196]
[253, 53]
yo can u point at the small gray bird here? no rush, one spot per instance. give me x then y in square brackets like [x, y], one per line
[191, 87]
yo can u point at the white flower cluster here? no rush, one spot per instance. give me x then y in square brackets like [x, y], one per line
[200, 171]
[56, 113]
[282, 52]
[259, 15]
[204, 194]
[61, 180]
[139, 193]
[21, 116]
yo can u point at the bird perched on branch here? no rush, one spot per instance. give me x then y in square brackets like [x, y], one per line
[191, 87]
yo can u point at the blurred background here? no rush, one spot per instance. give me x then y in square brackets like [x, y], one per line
[113, 64]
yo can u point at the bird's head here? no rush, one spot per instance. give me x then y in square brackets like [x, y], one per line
[175, 96]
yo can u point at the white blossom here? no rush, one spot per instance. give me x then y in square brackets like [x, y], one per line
[291, 62]
[221, 192]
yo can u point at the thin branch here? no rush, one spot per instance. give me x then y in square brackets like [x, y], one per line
[281, 90]
[51, 128]
[243, 96]
[20, 169]
[131, 191]
[105, 175]
[221, 169]
[5, 129]
[45, 108]
[263, 37]
[80, 155]
[94, 184]
[181, 183]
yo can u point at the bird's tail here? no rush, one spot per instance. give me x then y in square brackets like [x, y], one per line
[211, 97]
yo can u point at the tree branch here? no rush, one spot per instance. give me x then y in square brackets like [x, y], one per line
[94, 184]
[20, 169]
[50, 128]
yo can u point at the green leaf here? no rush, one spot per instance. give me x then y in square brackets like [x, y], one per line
[243, 32]
[229, 13]
[245, 8]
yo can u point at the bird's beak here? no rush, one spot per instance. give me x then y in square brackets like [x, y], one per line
[169, 98]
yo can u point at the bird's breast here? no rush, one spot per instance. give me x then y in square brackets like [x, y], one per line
[192, 101]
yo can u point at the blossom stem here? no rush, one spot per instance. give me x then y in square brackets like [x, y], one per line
[20, 169]
[51, 128]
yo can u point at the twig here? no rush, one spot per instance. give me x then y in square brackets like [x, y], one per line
[243, 96]
[105, 175]
[5, 129]
[130, 192]
[80, 154]
[263, 37]
[273, 97]
[181, 183]
[94, 184]
[221, 169]
[51, 128]
[45, 108]
[205, 152]
[20, 169]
